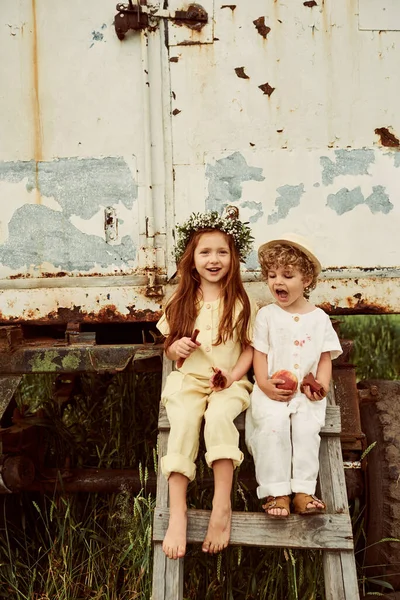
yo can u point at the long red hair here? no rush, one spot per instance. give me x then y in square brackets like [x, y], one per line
[182, 310]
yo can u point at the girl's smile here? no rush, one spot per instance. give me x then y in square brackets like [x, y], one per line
[212, 257]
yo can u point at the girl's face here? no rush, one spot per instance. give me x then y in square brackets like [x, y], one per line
[212, 258]
[287, 286]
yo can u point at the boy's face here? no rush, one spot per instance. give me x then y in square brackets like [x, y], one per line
[287, 286]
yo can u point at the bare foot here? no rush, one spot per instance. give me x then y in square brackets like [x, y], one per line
[219, 530]
[174, 544]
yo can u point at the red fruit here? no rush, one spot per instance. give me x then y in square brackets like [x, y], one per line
[289, 378]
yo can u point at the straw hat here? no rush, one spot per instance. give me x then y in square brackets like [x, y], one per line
[297, 241]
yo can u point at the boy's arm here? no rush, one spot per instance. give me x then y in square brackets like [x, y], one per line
[268, 386]
[323, 377]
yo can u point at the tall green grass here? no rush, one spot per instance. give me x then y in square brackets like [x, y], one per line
[376, 351]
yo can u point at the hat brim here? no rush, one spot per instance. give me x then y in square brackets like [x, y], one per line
[306, 251]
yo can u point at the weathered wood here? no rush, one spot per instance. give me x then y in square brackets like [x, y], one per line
[167, 574]
[332, 421]
[256, 529]
[340, 572]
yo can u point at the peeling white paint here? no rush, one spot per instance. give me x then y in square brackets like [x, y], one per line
[90, 122]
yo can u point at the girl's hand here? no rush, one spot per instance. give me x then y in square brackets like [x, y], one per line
[220, 380]
[184, 347]
[269, 388]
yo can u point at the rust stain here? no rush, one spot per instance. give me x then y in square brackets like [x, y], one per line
[176, 111]
[240, 73]
[266, 88]
[310, 3]
[261, 27]
[174, 59]
[38, 151]
[388, 139]
[355, 306]
[107, 314]
[231, 6]
[190, 43]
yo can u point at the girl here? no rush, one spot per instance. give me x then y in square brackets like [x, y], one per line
[210, 298]
[282, 426]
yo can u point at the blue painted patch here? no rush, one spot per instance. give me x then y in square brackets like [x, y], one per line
[346, 200]
[290, 196]
[38, 234]
[379, 201]
[348, 162]
[257, 207]
[396, 157]
[226, 178]
[80, 186]
[97, 36]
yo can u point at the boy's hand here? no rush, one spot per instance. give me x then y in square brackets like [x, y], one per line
[312, 388]
[313, 396]
[269, 388]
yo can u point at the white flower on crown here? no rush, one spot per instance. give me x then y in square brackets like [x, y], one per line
[230, 225]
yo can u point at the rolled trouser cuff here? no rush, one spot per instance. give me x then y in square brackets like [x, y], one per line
[303, 486]
[224, 452]
[274, 489]
[177, 463]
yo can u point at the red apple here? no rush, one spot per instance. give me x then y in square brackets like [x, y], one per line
[289, 378]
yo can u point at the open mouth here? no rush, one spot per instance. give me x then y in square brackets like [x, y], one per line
[282, 294]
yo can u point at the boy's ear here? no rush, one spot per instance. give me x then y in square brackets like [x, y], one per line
[307, 281]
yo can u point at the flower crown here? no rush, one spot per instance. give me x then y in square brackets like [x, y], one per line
[229, 224]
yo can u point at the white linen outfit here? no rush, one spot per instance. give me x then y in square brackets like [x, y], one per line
[188, 398]
[283, 437]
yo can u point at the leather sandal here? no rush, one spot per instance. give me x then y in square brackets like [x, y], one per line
[282, 502]
[300, 502]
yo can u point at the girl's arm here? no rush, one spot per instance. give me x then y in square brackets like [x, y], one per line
[242, 366]
[323, 377]
[268, 386]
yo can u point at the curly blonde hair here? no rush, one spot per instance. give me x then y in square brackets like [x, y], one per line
[285, 255]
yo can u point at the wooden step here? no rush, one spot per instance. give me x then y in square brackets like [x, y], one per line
[328, 531]
[332, 421]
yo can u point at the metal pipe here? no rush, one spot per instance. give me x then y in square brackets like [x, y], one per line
[148, 234]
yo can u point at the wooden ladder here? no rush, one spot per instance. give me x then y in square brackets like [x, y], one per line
[331, 532]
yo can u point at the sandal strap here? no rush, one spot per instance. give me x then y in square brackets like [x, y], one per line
[301, 500]
[282, 502]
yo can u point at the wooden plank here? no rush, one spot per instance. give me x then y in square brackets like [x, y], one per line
[167, 574]
[256, 529]
[332, 421]
[339, 568]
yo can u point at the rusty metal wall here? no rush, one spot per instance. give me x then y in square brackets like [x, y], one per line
[287, 110]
